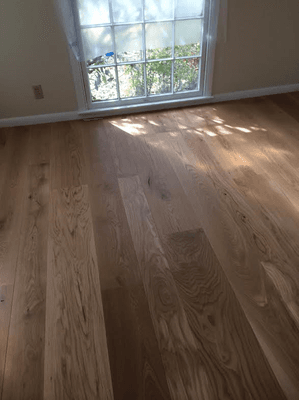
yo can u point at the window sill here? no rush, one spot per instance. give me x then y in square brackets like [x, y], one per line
[135, 108]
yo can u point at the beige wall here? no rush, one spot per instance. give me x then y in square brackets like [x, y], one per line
[33, 52]
[262, 47]
[262, 50]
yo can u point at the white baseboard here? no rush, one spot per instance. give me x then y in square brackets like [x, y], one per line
[245, 94]
[72, 115]
[39, 119]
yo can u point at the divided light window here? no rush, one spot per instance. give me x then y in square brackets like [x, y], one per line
[138, 50]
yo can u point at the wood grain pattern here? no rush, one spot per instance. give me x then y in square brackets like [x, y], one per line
[176, 341]
[76, 357]
[170, 262]
[68, 166]
[142, 155]
[165, 195]
[266, 178]
[286, 287]
[233, 361]
[274, 186]
[11, 212]
[286, 103]
[241, 242]
[4, 155]
[176, 326]
[268, 138]
[25, 353]
[259, 163]
[40, 143]
[136, 365]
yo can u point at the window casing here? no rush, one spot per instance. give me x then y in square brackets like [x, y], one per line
[114, 64]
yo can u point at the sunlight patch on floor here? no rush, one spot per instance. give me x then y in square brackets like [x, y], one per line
[153, 122]
[175, 134]
[223, 130]
[139, 127]
[242, 159]
[209, 133]
[132, 129]
[198, 132]
[218, 120]
[237, 160]
[242, 129]
[279, 152]
[255, 128]
[181, 126]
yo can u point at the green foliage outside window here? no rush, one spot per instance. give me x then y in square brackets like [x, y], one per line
[158, 73]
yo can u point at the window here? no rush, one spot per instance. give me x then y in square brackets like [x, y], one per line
[141, 51]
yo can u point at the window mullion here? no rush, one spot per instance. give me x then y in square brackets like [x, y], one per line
[148, 61]
[172, 62]
[136, 22]
[173, 44]
[114, 48]
[200, 83]
[144, 49]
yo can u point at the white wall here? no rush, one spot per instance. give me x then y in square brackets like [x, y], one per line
[262, 50]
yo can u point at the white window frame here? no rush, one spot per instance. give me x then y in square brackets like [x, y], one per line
[90, 109]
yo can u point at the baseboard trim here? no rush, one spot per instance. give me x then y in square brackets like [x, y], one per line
[89, 114]
[245, 94]
[39, 119]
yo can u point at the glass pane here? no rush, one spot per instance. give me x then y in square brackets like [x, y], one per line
[97, 42]
[131, 80]
[108, 58]
[158, 75]
[185, 74]
[93, 12]
[128, 40]
[158, 38]
[158, 10]
[187, 37]
[102, 83]
[189, 8]
[127, 11]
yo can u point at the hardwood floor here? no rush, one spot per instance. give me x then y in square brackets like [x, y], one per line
[152, 256]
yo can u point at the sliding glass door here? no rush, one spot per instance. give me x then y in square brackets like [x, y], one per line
[140, 51]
